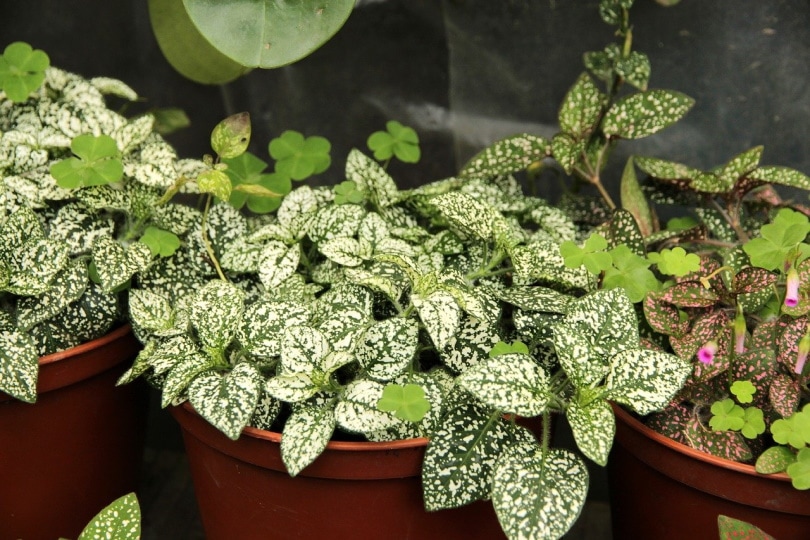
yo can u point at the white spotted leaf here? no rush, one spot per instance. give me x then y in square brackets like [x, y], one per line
[19, 365]
[215, 313]
[306, 433]
[593, 426]
[644, 379]
[512, 382]
[346, 251]
[277, 262]
[581, 107]
[121, 520]
[645, 113]
[116, 264]
[507, 156]
[227, 401]
[263, 324]
[357, 409]
[371, 178]
[440, 314]
[466, 214]
[387, 348]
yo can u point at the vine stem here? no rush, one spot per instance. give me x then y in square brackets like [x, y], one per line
[207, 241]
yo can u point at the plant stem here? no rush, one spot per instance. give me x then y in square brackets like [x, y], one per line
[207, 242]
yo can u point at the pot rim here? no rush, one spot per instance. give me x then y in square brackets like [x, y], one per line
[635, 424]
[110, 336]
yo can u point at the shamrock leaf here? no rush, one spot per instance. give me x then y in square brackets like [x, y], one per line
[407, 402]
[675, 261]
[592, 255]
[22, 70]
[631, 272]
[505, 348]
[261, 192]
[743, 391]
[397, 140]
[799, 472]
[754, 423]
[298, 157]
[727, 416]
[347, 193]
[777, 239]
[160, 243]
[96, 162]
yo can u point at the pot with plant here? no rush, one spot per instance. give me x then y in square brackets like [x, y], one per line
[77, 181]
[722, 285]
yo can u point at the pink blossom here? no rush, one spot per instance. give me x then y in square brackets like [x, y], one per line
[804, 348]
[792, 293]
[707, 352]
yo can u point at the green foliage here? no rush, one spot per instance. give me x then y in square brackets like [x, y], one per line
[743, 391]
[231, 136]
[507, 348]
[96, 162]
[298, 157]
[22, 70]
[592, 254]
[778, 240]
[675, 262]
[261, 192]
[799, 471]
[121, 520]
[630, 272]
[397, 140]
[407, 402]
[161, 243]
[730, 528]
[794, 430]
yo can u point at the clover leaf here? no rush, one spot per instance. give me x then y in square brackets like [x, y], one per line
[727, 416]
[262, 192]
[298, 157]
[799, 472]
[743, 391]
[778, 239]
[347, 193]
[794, 430]
[754, 423]
[397, 140]
[505, 348]
[675, 261]
[160, 243]
[592, 254]
[407, 402]
[96, 162]
[631, 272]
[22, 70]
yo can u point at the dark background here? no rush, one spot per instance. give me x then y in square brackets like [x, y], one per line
[464, 73]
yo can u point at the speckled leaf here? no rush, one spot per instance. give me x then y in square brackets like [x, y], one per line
[387, 348]
[784, 395]
[735, 529]
[381, 277]
[512, 382]
[665, 170]
[68, 286]
[373, 229]
[297, 210]
[635, 69]
[277, 262]
[292, 387]
[228, 401]
[644, 379]
[535, 298]
[306, 433]
[263, 325]
[507, 156]
[302, 349]
[593, 426]
[466, 214]
[267, 411]
[542, 261]
[241, 257]
[538, 496]
[334, 221]
[371, 178]
[752, 280]
[783, 176]
[774, 460]
[567, 151]
[440, 314]
[357, 409]
[729, 445]
[116, 264]
[180, 375]
[688, 294]
[469, 345]
[460, 458]
[644, 113]
[581, 107]
[739, 166]
[121, 520]
[215, 313]
[663, 317]
[623, 229]
[18, 365]
[346, 251]
[160, 356]
[635, 202]
[34, 266]
[149, 310]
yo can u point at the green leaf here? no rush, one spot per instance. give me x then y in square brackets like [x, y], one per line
[228, 401]
[231, 136]
[592, 254]
[97, 162]
[215, 182]
[675, 262]
[22, 70]
[407, 402]
[777, 239]
[215, 312]
[371, 179]
[461, 456]
[306, 433]
[581, 108]
[507, 156]
[298, 157]
[645, 113]
[799, 472]
[774, 460]
[513, 382]
[252, 186]
[593, 426]
[19, 365]
[120, 520]
[161, 243]
[502, 348]
[743, 391]
[731, 528]
[387, 348]
[631, 273]
[347, 193]
[268, 35]
[728, 416]
[634, 201]
[536, 495]
[645, 379]
[397, 140]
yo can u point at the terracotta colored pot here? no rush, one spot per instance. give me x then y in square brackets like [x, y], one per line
[666, 490]
[78, 448]
[354, 490]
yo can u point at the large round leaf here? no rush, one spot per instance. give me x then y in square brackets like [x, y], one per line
[186, 49]
[268, 33]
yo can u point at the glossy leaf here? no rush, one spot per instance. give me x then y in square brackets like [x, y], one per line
[227, 401]
[120, 520]
[593, 426]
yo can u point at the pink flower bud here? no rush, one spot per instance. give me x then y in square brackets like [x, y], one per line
[804, 348]
[792, 292]
[739, 333]
[707, 352]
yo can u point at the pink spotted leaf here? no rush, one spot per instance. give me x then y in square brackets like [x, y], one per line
[725, 444]
[752, 280]
[784, 395]
[663, 317]
[689, 294]
[735, 529]
[671, 421]
[792, 333]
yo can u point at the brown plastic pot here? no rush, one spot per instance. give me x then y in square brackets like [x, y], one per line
[354, 490]
[666, 490]
[78, 448]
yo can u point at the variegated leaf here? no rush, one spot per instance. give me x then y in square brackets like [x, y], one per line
[346, 251]
[302, 349]
[469, 345]
[267, 410]
[241, 257]
[782, 176]
[387, 348]
[120, 520]
[644, 113]
[277, 262]
[68, 287]
[291, 387]
[334, 221]
[466, 214]
[440, 314]
[19, 365]
[507, 156]
[729, 445]
[306, 433]
[215, 313]
[593, 426]
[535, 298]
[263, 324]
[541, 261]
[228, 401]
[538, 496]
[461, 456]
[297, 210]
[513, 382]
[116, 264]
[644, 379]
[581, 107]
[34, 266]
[357, 409]
[373, 229]
[182, 374]
[567, 151]
[149, 310]
[665, 170]
[371, 178]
